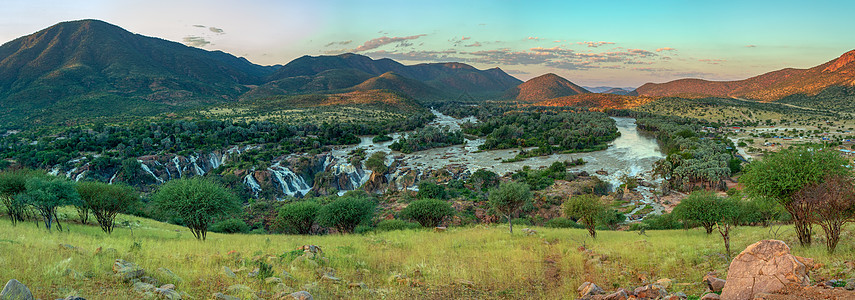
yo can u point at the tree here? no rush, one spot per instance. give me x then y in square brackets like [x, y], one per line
[585, 208]
[484, 179]
[196, 201]
[696, 209]
[299, 216]
[430, 190]
[508, 198]
[46, 194]
[429, 212]
[611, 218]
[345, 213]
[780, 175]
[106, 201]
[377, 163]
[831, 205]
[12, 184]
[728, 212]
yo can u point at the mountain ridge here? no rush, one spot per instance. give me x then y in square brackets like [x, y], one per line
[544, 87]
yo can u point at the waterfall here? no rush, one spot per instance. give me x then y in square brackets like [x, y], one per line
[80, 176]
[114, 177]
[176, 161]
[147, 170]
[291, 183]
[54, 171]
[68, 174]
[196, 167]
[253, 185]
[165, 168]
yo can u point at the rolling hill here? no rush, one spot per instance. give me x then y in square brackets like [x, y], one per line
[544, 87]
[450, 78]
[767, 87]
[90, 68]
[597, 101]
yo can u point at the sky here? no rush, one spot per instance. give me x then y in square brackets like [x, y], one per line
[592, 43]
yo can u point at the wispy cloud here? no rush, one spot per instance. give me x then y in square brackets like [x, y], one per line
[665, 49]
[385, 40]
[750, 46]
[595, 44]
[533, 38]
[338, 43]
[465, 38]
[195, 41]
[475, 44]
[712, 61]
[215, 30]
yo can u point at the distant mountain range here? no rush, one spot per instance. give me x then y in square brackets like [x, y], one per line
[610, 90]
[771, 86]
[89, 68]
[543, 87]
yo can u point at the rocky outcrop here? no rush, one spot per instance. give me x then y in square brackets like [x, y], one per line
[764, 267]
[15, 290]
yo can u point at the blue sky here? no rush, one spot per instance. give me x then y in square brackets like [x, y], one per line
[614, 43]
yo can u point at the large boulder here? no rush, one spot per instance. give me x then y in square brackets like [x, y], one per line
[764, 267]
[126, 270]
[15, 290]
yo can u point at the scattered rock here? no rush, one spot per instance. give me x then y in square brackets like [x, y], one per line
[149, 280]
[330, 278]
[272, 280]
[588, 289]
[652, 291]
[358, 285]
[301, 295]
[143, 287]
[253, 273]
[710, 296]
[763, 267]
[228, 272]
[221, 296]
[166, 273]
[529, 231]
[311, 249]
[168, 286]
[240, 291]
[169, 294]
[127, 270]
[714, 284]
[664, 282]
[679, 295]
[619, 295]
[15, 290]
[73, 298]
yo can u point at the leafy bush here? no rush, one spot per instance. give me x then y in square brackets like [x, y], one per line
[345, 213]
[484, 179]
[196, 202]
[430, 190]
[363, 229]
[521, 221]
[585, 208]
[230, 226]
[428, 213]
[394, 224]
[298, 216]
[562, 222]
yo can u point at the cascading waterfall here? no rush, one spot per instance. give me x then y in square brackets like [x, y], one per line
[196, 167]
[177, 164]
[290, 182]
[253, 185]
[147, 170]
[114, 177]
[80, 176]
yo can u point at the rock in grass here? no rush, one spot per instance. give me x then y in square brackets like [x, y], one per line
[619, 295]
[272, 280]
[713, 283]
[166, 273]
[74, 298]
[221, 296]
[763, 267]
[169, 294]
[850, 284]
[240, 291]
[127, 270]
[15, 290]
[228, 272]
[588, 289]
[710, 296]
[143, 287]
[301, 295]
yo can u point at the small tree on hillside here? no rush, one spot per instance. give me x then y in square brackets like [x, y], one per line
[831, 204]
[782, 174]
[106, 201]
[484, 179]
[377, 163]
[429, 213]
[13, 184]
[696, 209]
[196, 201]
[46, 194]
[585, 208]
[345, 213]
[508, 198]
[729, 212]
[299, 216]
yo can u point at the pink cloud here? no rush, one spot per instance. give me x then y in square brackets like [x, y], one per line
[595, 44]
[665, 49]
[382, 41]
[475, 44]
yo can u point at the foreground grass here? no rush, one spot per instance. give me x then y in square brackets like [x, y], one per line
[471, 262]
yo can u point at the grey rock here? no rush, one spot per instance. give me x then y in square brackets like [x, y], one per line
[127, 270]
[143, 287]
[221, 296]
[588, 289]
[170, 294]
[228, 272]
[167, 274]
[710, 296]
[15, 290]
[301, 295]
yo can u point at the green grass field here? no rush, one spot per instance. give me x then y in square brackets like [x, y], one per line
[465, 262]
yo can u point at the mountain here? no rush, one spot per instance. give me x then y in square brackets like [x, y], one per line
[91, 68]
[544, 87]
[603, 89]
[394, 82]
[767, 87]
[620, 91]
[454, 78]
[598, 101]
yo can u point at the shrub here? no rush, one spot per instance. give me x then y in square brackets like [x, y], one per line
[610, 218]
[345, 213]
[106, 201]
[46, 194]
[430, 190]
[508, 198]
[428, 213]
[521, 221]
[299, 216]
[230, 226]
[696, 209]
[484, 179]
[363, 229]
[196, 201]
[562, 222]
[394, 224]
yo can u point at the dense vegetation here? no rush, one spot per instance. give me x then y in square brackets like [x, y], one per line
[551, 132]
[426, 138]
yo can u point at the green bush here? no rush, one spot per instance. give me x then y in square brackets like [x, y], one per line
[394, 224]
[430, 190]
[345, 213]
[363, 229]
[298, 217]
[230, 226]
[428, 213]
[562, 222]
[521, 221]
